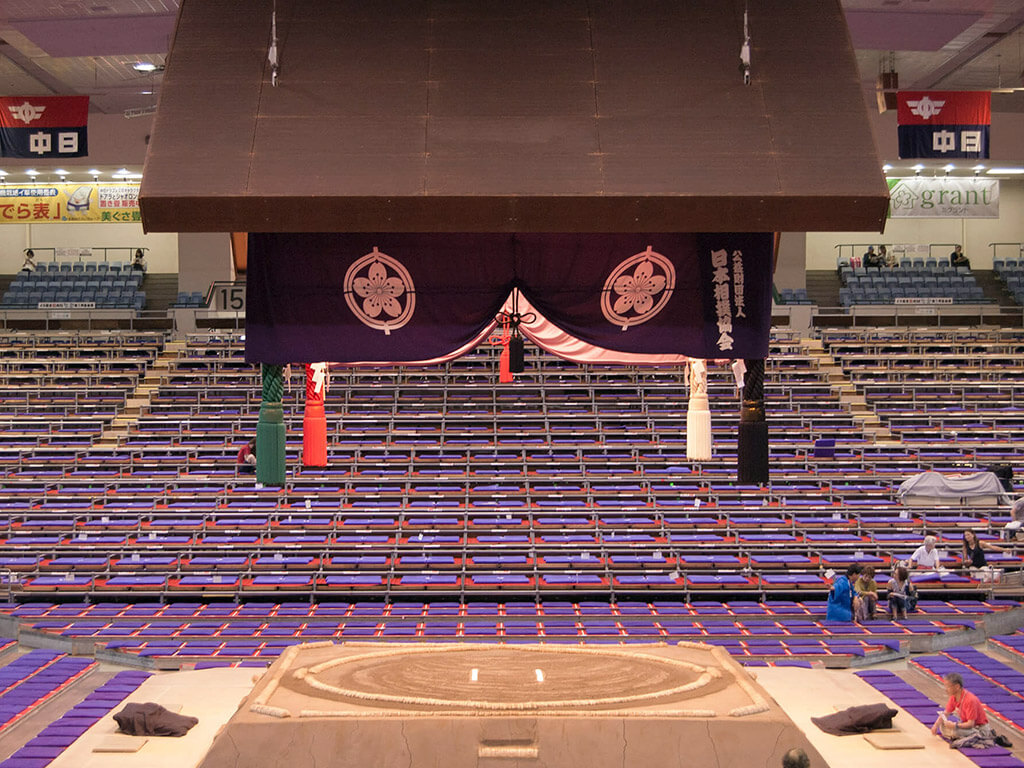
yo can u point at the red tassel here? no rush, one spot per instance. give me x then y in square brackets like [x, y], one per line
[504, 373]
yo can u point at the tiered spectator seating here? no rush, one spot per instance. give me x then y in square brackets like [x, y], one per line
[62, 732]
[953, 395]
[999, 686]
[190, 299]
[59, 390]
[29, 680]
[794, 296]
[108, 285]
[169, 635]
[1010, 644]
[1011, 272]
[911, 278]
[572, 480]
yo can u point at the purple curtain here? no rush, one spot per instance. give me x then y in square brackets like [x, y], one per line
[361, 298]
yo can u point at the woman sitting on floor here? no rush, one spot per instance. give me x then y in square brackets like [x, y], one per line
[866, 590]
[902, 594]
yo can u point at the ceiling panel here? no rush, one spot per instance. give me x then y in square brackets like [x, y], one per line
[99, 35]
[900, 30]
[16, 81]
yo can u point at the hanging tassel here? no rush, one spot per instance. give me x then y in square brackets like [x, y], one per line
[698, 413]
[504, 360]
[504, 372]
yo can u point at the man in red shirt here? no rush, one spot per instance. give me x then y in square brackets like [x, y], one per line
[971, 724]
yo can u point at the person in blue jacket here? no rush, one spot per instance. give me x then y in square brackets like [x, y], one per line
[840, 597]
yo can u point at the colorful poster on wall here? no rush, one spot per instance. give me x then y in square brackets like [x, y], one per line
[100, 202]
[943, 198]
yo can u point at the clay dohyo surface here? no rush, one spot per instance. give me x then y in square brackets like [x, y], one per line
[471, 679]
[417, 705]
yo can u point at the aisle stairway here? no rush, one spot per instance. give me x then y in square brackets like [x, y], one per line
[139, 400]
[847, 394]
[823, 287]
[161, 290]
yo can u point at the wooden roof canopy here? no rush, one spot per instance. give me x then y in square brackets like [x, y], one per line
[525, 116]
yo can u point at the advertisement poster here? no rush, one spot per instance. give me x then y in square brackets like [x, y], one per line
[102, 202]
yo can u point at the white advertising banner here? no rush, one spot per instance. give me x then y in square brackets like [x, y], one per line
[943, 198]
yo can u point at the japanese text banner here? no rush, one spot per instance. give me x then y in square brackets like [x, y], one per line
[44, 126]
[351, 298]
[95, 202]
[949, 124]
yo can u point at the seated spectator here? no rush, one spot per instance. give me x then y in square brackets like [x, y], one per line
[872, 259]
[246, 460]
[1013, 528]
[30, 262]
[866, 590]
[902, 594]
[970, 728]
[926, 556]
[957, 258]
[840, 597]
[139, 262]
[887, 259]
[973, 557]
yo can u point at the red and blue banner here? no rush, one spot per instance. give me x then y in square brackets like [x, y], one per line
[40, 127]
[365, 298]
[944, 124]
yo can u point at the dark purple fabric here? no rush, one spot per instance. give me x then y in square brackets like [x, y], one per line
[298, 312]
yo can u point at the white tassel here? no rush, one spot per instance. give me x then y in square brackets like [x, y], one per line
[698, 413]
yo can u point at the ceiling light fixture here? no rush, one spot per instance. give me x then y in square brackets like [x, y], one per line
[917, 169]
[948, 167]
[978, 168]
[32, 173]
[1005, 171]
[146, 67]
[886, 168]
[94, 172]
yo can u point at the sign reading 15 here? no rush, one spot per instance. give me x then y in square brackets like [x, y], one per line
[230, 298]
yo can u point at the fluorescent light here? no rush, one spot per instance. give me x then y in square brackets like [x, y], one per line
[918, 167]
[144, 66]
[1005, 171]
[886, 168]
[978, 167]
[948, 167]
[32, 172]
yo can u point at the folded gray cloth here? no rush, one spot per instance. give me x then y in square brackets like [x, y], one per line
[151, 719]
[860, 719]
